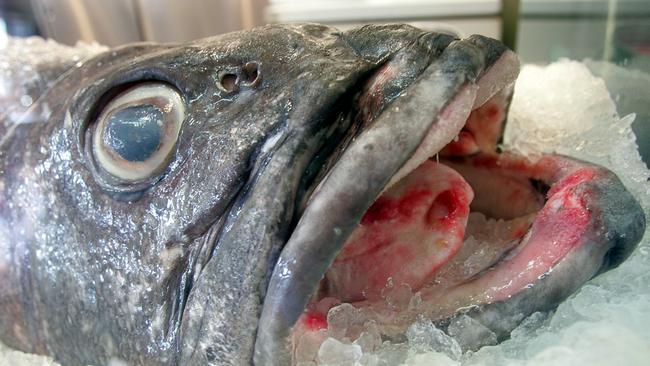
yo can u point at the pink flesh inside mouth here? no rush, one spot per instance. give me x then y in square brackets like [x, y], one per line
[420, 221]
[466, 227]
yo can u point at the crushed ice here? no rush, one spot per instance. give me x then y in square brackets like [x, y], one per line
[559, 108]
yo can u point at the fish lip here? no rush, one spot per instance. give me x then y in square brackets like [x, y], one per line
[282, 305]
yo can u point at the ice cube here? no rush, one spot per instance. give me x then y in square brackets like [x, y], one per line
[308, 344]
[423, 336]
[470, 334]
[530, 325]
[370, 337]
[430, 359]
[344, 321]
[389, 354]
[334, 352]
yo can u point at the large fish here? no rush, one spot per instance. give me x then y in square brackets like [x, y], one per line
[192, 204]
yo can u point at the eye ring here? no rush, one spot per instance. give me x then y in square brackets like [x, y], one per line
[135, 134]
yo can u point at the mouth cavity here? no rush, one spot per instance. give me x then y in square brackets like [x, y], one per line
[465, 228]
[413, 232]
[437, 228]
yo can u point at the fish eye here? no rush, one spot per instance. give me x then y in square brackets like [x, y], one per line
[135, 134]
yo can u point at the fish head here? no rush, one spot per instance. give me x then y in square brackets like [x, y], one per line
[151, 188]
[183, 203]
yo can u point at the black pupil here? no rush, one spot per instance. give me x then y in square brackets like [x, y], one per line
[135, 132]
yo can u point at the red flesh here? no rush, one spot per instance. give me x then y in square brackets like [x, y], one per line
[314, 320]
[420, 221]
[481, 132]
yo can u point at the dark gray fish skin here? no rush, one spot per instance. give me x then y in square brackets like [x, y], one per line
[174, 270]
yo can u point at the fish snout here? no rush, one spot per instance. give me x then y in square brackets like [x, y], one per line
[623, 220]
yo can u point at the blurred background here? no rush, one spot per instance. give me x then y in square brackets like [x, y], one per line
[541, 31]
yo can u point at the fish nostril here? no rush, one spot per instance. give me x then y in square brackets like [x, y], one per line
[250, 73]
[228, 82]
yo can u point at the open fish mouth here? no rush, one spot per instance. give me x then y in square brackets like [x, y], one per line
[469, 231]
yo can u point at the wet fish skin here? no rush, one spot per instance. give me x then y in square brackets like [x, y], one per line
[173, 269]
